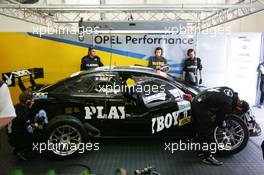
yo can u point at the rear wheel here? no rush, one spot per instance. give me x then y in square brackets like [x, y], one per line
[233, 138]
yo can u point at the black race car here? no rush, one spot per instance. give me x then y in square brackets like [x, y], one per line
[124, 102]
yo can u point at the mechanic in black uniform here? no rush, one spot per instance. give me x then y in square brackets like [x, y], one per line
[20, 131]
[157, 61]
[191, 67]
[91, 60]
[209, 109]
[261, 72]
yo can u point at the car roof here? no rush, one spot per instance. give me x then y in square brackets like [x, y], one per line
[136, 69]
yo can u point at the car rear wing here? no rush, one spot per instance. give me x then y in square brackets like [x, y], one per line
[22, 76]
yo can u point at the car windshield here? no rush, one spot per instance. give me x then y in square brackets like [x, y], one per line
[182, 85]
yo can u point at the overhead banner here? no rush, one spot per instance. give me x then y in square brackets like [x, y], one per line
[139, 46]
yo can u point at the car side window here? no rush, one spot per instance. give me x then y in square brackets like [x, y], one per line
[152, 89]
[79, 85]
[158, 90]
[86, 84]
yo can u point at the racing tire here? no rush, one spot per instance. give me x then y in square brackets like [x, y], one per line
[234, 137]
[65, 133]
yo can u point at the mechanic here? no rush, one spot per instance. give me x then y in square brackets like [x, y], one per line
[7, 111]
[191, 67]
[91, 60]
[158, 61]
[209, 109]
[261, 87]
[20, 131]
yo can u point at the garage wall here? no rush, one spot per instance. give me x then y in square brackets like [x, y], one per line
[13, 25]
[19, 51]
[231, 59]
[59, 59]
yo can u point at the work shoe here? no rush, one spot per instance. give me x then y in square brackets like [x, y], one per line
[210, 160]
[200, 154]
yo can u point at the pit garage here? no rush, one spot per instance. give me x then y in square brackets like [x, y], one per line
[151, 87]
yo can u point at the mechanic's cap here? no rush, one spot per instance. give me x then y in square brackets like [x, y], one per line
[24, 96]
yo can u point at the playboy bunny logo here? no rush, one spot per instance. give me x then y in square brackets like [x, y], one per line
[8, 78]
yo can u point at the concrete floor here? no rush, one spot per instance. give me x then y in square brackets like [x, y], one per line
[136, 154]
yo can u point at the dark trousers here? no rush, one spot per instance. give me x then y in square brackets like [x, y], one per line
[204, 125]
[262, 90]
[21, 142]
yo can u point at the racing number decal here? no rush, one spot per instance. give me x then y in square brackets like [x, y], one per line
[186, 119]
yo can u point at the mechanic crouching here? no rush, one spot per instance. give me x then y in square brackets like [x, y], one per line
[22, 131]
[209, 109]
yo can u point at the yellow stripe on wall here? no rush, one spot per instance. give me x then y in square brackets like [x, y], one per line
[20, 51]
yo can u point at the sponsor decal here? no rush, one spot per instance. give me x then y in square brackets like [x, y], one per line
[169, 120]
[103, 78]
[151, 98]
[176, 93]
[115, 112]
[21, 73]
[172, 119]
[184, 105]
[40, 95]
[185, 120]
[9, 79]
[162, 122]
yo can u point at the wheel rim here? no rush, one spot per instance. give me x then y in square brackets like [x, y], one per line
[65, 140]
[231, 136]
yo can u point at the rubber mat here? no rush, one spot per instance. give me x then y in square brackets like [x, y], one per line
[134, 154]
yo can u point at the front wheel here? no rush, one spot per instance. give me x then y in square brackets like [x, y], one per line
[65, 134]
[233, 138]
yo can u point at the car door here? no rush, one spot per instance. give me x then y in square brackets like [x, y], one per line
[115, 112]
[144, 96]
[168, 112]
[81, 97]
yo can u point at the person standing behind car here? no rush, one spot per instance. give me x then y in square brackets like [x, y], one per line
[209, 109]
[261, 87]
[7, 111]
[91, 60]
[192, 65]
[157, 61]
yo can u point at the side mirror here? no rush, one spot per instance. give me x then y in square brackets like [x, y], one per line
[187, 97]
